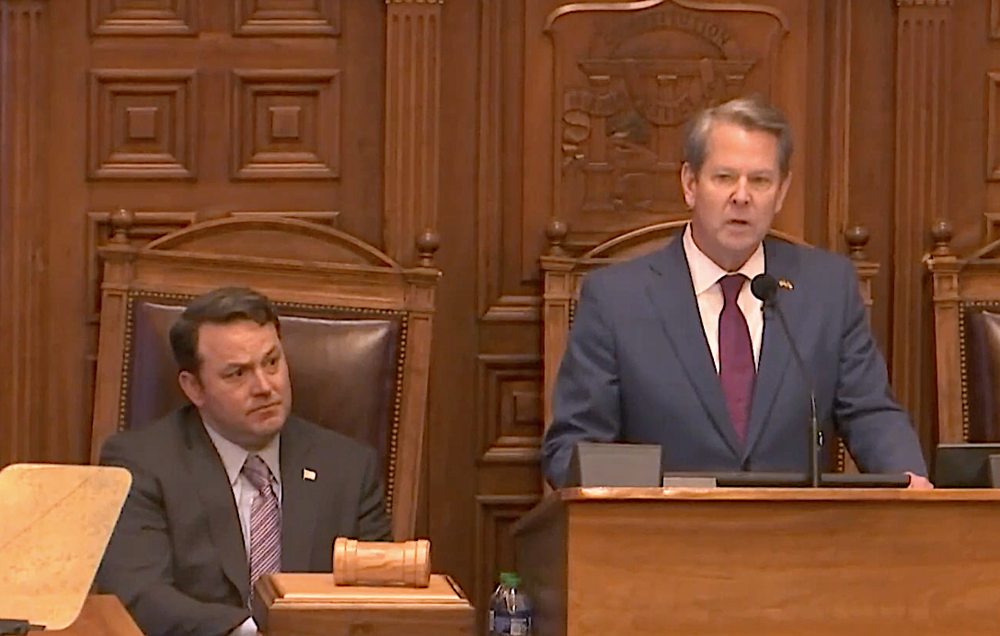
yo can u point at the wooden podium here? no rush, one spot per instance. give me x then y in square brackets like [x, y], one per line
[726, 562]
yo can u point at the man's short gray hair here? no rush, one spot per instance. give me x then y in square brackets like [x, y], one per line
[749, 113]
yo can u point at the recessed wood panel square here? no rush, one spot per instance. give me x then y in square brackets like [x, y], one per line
[142, 124]
[143, 17]
[287, 17]
[286, 124]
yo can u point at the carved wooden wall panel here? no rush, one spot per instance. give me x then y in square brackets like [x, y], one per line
[412, 139]
[24, 42]
[207, 109]
[286, 124]
[924, 33]
[615, 84]
[510, 408]
[287, 17]
[485, 119]
[142, 17]
[143, 124]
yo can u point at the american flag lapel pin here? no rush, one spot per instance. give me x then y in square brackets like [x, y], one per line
[308, 475]
[784, 283]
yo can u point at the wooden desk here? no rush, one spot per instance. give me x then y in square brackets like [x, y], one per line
[780, 562]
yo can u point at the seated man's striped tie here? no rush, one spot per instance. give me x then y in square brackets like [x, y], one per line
[265, 522]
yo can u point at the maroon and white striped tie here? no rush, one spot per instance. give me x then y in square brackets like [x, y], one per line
[265, 522]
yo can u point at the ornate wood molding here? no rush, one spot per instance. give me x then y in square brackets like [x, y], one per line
[412, 114]
[838, 200]
[923, 79]
[23, 103]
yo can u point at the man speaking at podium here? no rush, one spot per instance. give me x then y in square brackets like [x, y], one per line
[232, 486]
[674, 349]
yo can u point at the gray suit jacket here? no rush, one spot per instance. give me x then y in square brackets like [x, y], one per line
[637, 367]
[177, 558]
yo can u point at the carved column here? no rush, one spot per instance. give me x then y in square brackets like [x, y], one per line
[923, 78]
[23, 108]
[412, 112]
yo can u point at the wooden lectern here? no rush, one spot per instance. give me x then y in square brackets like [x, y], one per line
[726, 562]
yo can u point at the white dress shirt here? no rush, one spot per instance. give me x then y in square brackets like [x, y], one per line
[233, 457]
[705, 275]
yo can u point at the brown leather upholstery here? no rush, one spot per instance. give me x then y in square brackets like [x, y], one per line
[344, 367]
[356, 327]
[981, 368]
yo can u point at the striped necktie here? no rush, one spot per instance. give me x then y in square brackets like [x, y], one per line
[265, 522]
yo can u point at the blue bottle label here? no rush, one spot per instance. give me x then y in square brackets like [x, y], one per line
[500, 624]
[518, 627]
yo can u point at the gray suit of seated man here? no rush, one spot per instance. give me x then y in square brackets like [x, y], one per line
[180, 557]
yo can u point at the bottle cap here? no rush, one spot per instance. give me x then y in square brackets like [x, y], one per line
[510, 579]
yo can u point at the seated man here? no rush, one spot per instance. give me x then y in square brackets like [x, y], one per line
[674, 349]
[233, 485]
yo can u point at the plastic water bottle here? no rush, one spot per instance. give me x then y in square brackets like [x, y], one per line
[510, 610]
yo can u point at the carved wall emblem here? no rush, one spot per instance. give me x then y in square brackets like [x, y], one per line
[625, 95]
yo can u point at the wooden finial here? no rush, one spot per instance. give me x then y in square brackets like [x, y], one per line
[427, 244]
[857, 239]
[556, 232]
[121, 222]
[942, 232]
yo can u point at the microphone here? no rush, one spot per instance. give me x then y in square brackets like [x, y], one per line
[765, 288]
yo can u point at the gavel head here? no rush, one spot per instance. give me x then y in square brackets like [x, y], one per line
[377, 563]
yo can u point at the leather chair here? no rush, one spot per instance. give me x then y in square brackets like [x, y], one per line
[563, 274]
[966, 338]
[356, 328]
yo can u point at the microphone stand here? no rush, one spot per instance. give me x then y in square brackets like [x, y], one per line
[815, 437]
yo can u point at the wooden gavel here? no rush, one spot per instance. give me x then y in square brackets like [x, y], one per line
[377, 563]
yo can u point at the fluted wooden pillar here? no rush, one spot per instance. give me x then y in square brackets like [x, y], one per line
[23, 108]
[923, 78]
[412, 115]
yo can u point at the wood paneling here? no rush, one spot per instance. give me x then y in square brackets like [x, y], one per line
[923, 91]
[412, 102]
[286, 17]
[142, 124]
[491, 121]
[24, 97]
[141, 17]
[286, 124]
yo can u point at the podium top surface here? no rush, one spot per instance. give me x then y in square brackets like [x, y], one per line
[772, 494]
[582, 496]
[320, 590]
[55, 523]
